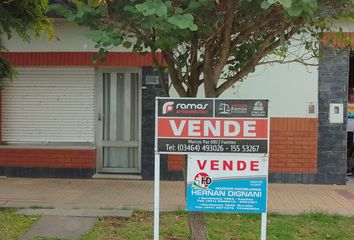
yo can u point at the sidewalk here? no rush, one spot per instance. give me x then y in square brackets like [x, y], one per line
[135, 194]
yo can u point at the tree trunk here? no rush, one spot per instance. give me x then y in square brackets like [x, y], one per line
[197, 226]
[196, 221]
[209, 85]
[192, 90]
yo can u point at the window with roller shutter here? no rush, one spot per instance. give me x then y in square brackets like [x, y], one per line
[49, 105]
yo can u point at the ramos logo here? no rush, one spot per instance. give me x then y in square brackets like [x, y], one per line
[191, 106]
[184, 108]
[168, 107]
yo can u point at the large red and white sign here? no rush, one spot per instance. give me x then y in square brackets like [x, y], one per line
[212, 125]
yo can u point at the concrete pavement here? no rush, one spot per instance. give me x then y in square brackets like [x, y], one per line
[137, 194]
[59, 227]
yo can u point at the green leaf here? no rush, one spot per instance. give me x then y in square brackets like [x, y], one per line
[193, 27]
[59, 9]
[145, 9]
[152, 7]
[194, 5]
[286, 3]
[127, 44]
[183, 21]
[93, 3]
[178, 11]
[294, 11]
[161, 11]
[265, 5]
[95, 36]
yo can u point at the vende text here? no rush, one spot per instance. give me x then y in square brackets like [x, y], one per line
[228, 165]
[212, 128]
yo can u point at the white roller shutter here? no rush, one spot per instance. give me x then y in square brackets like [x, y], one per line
[49, 105]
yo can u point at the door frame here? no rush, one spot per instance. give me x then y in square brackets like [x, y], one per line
[98, 124]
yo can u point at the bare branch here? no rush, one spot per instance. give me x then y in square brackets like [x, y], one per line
[194, 68]
[273, 15]
[302, 61]
[176, 81]
[264, 50]
[226, 41]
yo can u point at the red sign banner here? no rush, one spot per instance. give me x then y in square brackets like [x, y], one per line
[190, 125]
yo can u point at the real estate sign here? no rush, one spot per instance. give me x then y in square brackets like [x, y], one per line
[227, 145]
[212, 126]
[227, 183]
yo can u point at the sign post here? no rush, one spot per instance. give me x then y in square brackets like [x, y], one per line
[156, 180]
[157, 197]
[264, 226]
[227, 142]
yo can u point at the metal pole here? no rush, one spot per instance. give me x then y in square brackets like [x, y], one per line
[264, 215]
[157, 197]
[264, 226]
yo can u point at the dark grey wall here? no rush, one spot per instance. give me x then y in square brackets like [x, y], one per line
[306, 178]
[332, 137]
[149, 92]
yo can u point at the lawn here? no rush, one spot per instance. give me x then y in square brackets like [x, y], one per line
[174, 226]
[13, 226]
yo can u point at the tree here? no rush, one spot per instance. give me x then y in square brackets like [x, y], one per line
[21, 17]
[209, 43]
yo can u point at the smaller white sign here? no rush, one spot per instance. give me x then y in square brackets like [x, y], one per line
[227, 183]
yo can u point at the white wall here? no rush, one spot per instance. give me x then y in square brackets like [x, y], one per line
[346, 26]
[68, 38]
[289, 87]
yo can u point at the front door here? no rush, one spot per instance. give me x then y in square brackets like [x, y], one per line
[118, 121]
